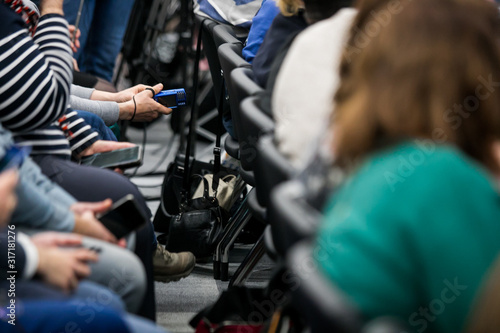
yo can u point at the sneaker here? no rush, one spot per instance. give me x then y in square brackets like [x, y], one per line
[169, 266]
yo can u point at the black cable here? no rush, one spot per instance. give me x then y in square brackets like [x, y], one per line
[160, 162]
[144, 139]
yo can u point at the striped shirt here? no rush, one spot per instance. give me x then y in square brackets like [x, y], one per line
[35, 80]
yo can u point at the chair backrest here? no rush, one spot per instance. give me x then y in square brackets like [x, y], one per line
[242, 79]
[210, 51]
[256, 123]
[230, 58]
[243, 86]
[324, 306]
[271, 169]
[213, 35]
[224, 33]
[291, 217]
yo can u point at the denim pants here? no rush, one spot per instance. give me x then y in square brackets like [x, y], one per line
[98, 125]
[102, 24]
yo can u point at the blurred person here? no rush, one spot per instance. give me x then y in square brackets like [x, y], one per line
[102, 24]
[60, 298]
[260, 24]
[302, 95]
[43, 206]
[284, 27]
[417, 132]
[228, 12]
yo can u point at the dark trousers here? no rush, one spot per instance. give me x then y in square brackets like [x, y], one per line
[91, 184]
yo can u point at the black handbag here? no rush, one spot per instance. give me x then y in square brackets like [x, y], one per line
[198, 227]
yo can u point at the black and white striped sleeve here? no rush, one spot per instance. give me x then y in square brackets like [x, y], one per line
[77, 131]
[35, 73]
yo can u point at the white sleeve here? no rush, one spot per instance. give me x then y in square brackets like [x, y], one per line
[31, 253]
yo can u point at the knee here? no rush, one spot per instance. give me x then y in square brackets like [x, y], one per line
[129, 279]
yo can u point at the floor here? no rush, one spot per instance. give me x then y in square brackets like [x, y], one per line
[178, 302]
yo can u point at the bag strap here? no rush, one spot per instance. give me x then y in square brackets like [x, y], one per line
[194, 112]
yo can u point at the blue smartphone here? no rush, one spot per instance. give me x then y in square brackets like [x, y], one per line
[14, 157]
[172, 98]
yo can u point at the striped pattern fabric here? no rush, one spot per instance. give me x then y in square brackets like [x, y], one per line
[29, 15]
[35, 80]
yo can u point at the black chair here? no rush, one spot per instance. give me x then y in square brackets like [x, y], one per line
[224, 33]
[210, 51]
[324, 307]
[230, 58]
[243, 86]
[242, 79]
[213, 35]
[256, 123]
[270, 170]
[292, 218]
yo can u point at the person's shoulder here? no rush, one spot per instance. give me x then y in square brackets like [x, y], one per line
[422, 165]
[336, 24]
[327, 33]
[10, 22]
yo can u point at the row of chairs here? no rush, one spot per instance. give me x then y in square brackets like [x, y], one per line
[276, 199]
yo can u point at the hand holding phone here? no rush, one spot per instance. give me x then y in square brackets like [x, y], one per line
[124, 217]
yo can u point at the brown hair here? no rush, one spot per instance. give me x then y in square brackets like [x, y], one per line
[290, 7]
[419, 71]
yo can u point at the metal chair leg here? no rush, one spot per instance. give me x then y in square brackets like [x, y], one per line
[239, 214]
[249, 263]
[229, 241]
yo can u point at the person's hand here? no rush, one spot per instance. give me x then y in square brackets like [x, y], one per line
[102, 146]
[51, 7]
[8, 199]
[75, 44]
[94, 207]
[54, 239]
[86, 224]
[147, 108]
[127, 94]
[63, 268]
[75, 65]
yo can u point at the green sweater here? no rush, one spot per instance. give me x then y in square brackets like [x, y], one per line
[412, 234]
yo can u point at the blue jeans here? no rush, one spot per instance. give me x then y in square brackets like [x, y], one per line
[103, 24]
[98, 125]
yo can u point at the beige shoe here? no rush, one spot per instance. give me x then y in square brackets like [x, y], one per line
[172, 266]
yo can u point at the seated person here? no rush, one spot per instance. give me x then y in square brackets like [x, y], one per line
[60, 271]
[260, 24]
[315, 11]
[285, 25]
[413, 230]
[302, 96]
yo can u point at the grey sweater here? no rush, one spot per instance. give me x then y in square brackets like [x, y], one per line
[80, 100]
